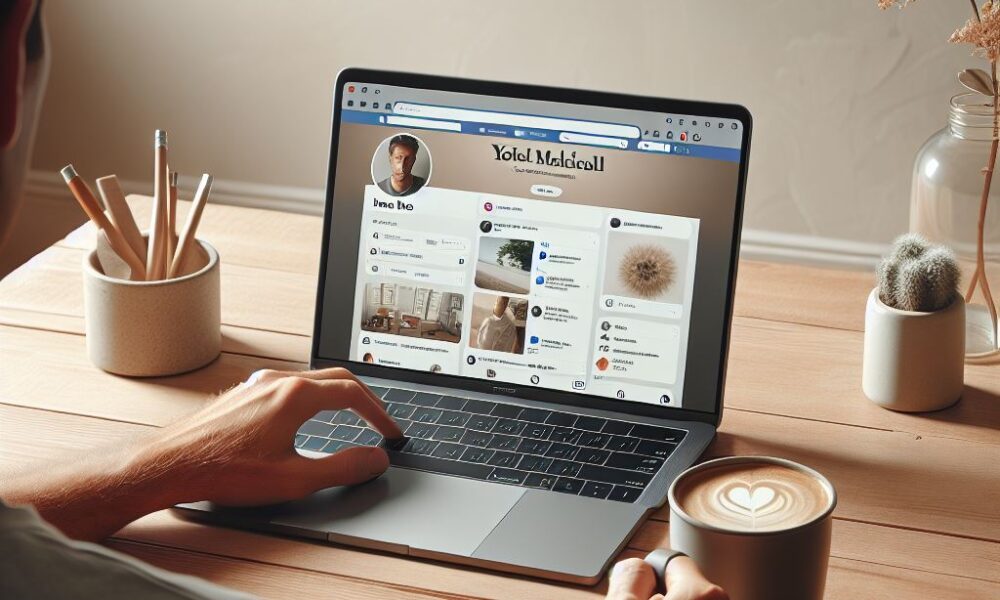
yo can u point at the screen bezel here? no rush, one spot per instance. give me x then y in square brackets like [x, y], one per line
[552, 94]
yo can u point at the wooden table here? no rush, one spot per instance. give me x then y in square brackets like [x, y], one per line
[919, 511]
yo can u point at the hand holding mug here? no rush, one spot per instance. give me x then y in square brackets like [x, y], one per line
[634, 579]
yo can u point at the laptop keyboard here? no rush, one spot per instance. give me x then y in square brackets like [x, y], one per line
[503, 443]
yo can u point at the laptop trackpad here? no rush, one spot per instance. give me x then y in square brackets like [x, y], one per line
[407, 508]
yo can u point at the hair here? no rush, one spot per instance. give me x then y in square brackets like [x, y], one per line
[404, 140]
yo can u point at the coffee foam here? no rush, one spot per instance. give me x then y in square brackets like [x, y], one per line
[752, 496]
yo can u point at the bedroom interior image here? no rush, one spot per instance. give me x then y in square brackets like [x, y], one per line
[421, 312]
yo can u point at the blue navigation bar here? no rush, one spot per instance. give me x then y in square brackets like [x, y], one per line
[542, 135]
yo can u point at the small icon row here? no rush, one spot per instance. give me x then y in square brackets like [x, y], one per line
[375, 105]
[704, 123]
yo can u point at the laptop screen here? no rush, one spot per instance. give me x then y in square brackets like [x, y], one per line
[532, 244]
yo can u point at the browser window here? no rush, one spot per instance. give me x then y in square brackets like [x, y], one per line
[560, 251]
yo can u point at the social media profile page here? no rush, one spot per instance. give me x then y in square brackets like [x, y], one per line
[535, 292]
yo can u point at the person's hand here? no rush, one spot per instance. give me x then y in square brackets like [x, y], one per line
[633, 579]
[239, 449]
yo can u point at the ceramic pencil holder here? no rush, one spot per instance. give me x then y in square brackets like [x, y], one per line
[153, 328]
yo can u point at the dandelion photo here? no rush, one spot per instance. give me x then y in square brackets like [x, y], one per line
[647, 270]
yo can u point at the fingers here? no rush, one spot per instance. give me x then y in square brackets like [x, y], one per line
[346, 467]
[313, 395]
[631, 579]
[686, 582]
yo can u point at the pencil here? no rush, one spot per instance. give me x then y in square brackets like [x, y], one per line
[187, 239]
[120, 215]
[156, 255]
[172, 219]
[90, 206]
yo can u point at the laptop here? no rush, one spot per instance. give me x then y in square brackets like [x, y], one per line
[538, 282]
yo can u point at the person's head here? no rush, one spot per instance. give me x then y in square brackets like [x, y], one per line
[402, 154]
[500, 305]
[368, 358]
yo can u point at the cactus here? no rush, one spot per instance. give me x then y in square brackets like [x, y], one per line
[917, 276]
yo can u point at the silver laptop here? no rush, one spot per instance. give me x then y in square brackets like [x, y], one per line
[538, 282]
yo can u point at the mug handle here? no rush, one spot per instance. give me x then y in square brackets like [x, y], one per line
[658, 559]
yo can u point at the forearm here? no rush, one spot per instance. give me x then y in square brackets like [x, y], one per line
[92, 495]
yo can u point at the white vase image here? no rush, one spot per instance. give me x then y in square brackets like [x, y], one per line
[913, 361]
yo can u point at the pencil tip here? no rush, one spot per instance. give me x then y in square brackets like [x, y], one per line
[68, 173]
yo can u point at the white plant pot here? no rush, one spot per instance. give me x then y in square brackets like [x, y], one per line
[914, 361]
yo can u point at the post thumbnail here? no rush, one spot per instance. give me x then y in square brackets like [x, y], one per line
[421, 312]
[646, 267]
[504, 264]
[498, 323]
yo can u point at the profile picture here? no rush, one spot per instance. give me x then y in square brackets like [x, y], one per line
[486, 227]
[368, 357]
[401, 165]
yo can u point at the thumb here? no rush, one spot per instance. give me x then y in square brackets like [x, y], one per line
[345, 467]
[631, 579]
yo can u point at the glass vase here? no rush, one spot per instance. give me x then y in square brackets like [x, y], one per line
[945, 205]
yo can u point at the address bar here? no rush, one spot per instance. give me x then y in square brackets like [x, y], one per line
[514, 120]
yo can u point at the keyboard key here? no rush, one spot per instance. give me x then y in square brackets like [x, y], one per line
[651, 448]
[327, 416]
[567, 485]
[593, 489]
[424, 414]
[593, 440]
[478, 406]
[367, 437]
[509, 426]
[539, 480]
[623, 493]
[315, 444]
[398, 395]
[506, 410]
[533, 446]
[346, 417]
[563, 468]
[476, 438]
[507, 476]
[615, 476]
[449, 434]
[476, 455]
[561, 419]
[622, 444]
[378, 390]
[346, 433]
[417, 446]
[400, 411]
[449, 451]
[535, 463]
[590, 423]
[425, 399]
[592, 456]
[563, 451]
[634, 462]
[450, 417]
[565, 434]
[537, 431]
[420, 430]
[481, 422]
[451, 403]
[534, 415]
[504, 442]
[617, 427]
[504, 459]
[439, 465]
[335, 445]
[316, 428]
[396, 444]
[659, 434]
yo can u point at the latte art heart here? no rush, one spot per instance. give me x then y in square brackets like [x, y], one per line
[753, 498]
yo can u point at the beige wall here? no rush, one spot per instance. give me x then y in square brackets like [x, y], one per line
[842, 93]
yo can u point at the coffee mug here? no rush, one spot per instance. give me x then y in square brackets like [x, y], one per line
[757, 526]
